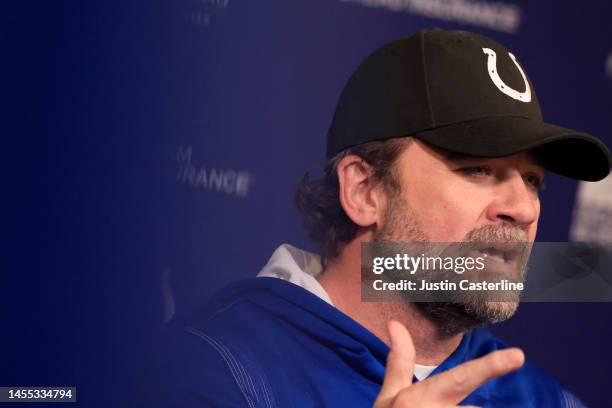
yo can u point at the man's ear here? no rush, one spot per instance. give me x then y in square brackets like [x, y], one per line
[360, 198]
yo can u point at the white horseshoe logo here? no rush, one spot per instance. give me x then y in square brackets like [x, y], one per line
[492, 68]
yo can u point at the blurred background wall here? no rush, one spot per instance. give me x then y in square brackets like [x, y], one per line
[152, 150]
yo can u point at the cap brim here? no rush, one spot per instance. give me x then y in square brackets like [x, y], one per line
[560, 150]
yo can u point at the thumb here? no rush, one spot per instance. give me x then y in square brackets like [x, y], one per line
[400, 363]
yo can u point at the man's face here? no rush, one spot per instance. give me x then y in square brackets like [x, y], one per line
[453, 195]
[447, 198]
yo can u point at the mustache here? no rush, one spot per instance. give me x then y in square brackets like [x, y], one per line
[497, 234]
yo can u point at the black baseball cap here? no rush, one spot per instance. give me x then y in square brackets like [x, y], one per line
[462, 92]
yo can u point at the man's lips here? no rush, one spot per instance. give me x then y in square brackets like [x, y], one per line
[501, 252]
[503, 259]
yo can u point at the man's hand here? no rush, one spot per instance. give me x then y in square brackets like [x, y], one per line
[443, 390]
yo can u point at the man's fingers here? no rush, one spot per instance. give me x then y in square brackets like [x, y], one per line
[400, 362]
[454, 385]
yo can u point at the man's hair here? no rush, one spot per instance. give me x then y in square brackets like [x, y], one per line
[318, 199]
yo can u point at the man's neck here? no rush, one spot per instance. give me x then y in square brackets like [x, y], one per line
[341, 280]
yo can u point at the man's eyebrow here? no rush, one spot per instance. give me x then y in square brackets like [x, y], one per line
[459, 157]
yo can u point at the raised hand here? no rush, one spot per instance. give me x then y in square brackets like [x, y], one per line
[445, 389]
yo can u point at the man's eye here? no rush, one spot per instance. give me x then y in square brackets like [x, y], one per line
[477, 171]
[535, 182]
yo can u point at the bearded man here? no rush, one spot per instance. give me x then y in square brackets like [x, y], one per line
[437, 137]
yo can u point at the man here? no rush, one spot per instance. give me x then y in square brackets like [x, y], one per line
[436, 138]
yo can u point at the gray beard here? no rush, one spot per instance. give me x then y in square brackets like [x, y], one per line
[454, 318]
[451, 318]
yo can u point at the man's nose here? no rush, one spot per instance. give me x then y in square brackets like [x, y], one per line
[514, 202]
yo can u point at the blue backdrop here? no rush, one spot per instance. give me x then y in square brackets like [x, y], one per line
[153, 148]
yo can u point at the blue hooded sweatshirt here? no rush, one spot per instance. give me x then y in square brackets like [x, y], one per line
[267, 342]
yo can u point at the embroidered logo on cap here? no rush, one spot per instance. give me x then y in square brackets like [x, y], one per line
[492, 68]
